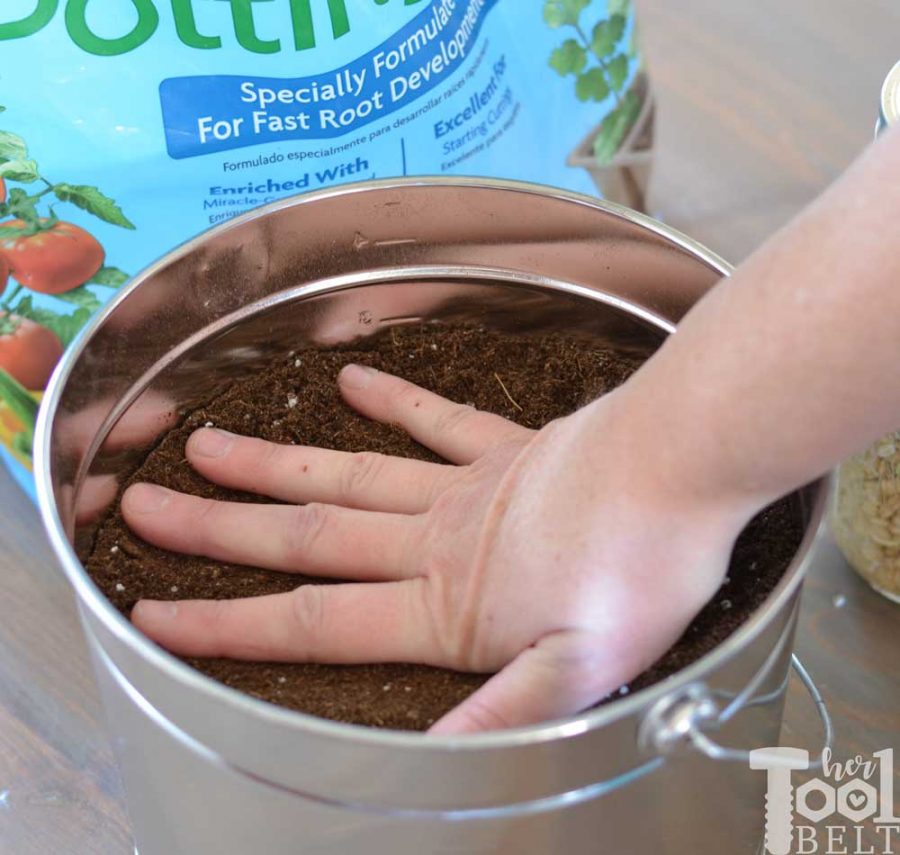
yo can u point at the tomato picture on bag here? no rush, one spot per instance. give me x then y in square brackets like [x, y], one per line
[40, 253]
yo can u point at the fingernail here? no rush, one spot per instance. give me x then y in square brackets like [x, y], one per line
[356, 376]
[154, 611]
[211, 442]
[146, 498]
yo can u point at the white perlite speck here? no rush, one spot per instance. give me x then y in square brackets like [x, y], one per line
[282, 679]
[209, 424]
[120, 587]
[292, 401]
[114, 548]
[174, 589]
[298, 363]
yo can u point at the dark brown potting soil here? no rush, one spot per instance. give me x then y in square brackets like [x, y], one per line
[529, 379]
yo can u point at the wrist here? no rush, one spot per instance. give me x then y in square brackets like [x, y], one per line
[669, 464]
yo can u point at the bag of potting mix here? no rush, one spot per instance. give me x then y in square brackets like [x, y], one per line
[129, 126]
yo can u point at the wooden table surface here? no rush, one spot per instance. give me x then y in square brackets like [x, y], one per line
[761, 104]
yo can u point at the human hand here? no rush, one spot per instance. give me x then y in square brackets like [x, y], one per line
[557, 558]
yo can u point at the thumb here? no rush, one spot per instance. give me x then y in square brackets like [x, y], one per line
[561, 675]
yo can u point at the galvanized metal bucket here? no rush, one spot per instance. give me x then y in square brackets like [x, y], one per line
[210, 770]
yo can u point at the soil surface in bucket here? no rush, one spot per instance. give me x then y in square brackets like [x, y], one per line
[529, 379]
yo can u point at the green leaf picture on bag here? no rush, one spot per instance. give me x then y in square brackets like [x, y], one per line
[43, 254]
[601, 57]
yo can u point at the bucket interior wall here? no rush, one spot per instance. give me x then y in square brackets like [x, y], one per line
[214, 358]
[360, 232]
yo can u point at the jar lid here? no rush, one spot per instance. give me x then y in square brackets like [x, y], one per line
[890, 97]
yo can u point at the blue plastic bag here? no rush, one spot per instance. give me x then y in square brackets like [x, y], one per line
[131, 125]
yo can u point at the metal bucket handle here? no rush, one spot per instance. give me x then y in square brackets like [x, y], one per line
[683, 720]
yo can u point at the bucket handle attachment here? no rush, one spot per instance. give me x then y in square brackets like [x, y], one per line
[683, 720]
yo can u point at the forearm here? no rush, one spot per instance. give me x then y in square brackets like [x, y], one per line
[793, 363]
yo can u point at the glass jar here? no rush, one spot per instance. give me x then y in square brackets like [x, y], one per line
[865, 514]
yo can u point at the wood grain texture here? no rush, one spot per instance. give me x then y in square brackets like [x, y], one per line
[761, 105]
[59, 788]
